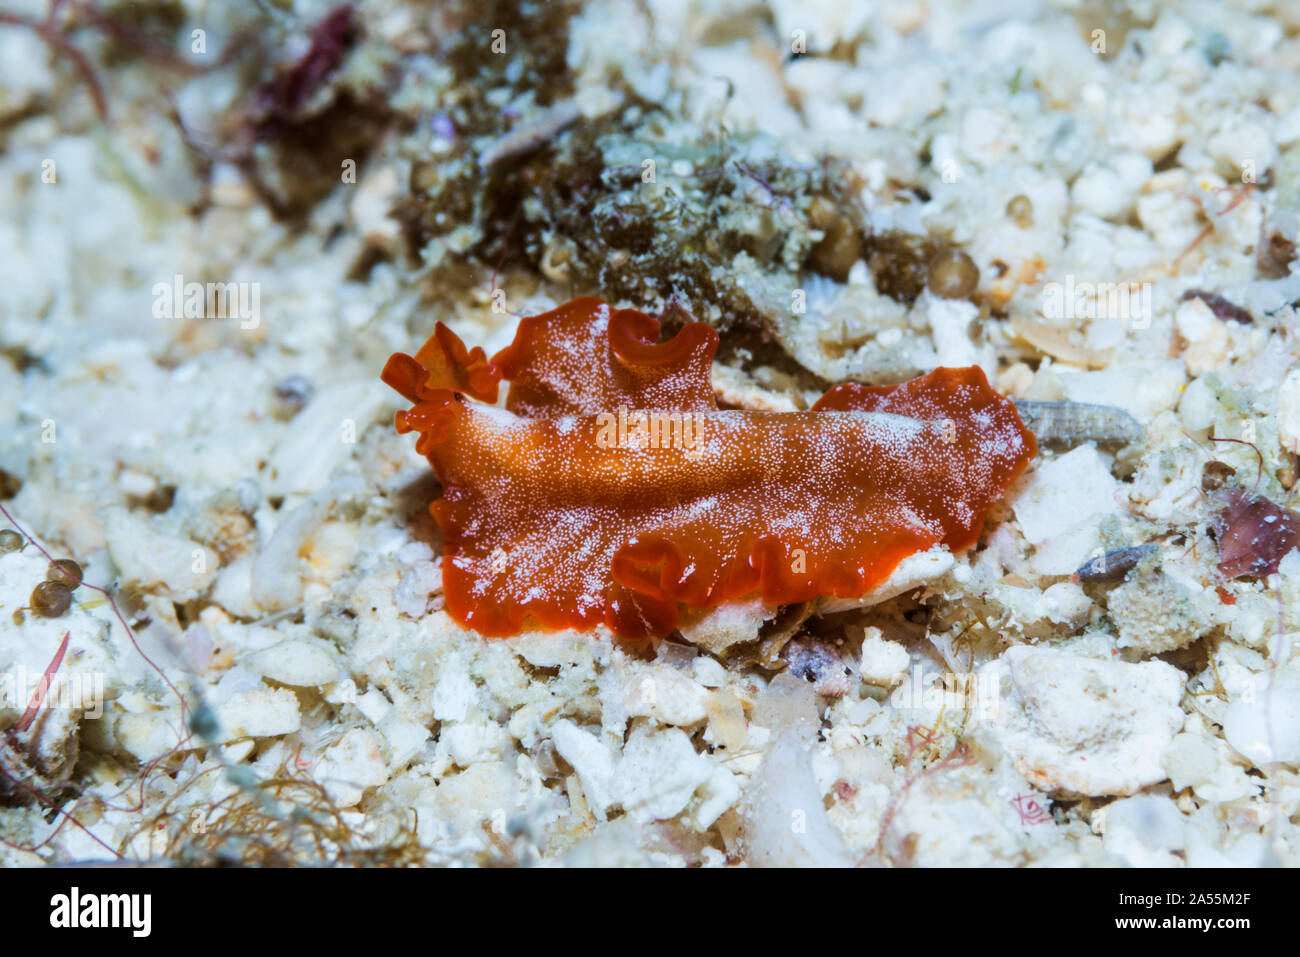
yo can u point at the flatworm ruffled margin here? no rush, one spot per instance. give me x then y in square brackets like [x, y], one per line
[612, 490]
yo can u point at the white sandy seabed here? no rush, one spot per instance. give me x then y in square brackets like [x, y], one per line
[239, 484]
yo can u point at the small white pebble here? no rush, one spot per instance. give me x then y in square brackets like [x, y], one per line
[883, 662]
[413, 552]
[708, 672]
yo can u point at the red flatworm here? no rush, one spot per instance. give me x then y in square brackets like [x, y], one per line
[612, 490]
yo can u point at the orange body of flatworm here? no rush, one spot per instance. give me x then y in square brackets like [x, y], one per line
[611, 489]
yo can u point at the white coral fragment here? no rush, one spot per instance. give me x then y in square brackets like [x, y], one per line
[1084, 726]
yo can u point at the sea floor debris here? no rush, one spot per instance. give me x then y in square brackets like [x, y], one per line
[221, 219]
